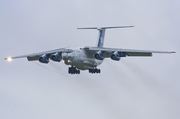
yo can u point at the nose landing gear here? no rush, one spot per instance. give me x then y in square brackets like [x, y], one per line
[73, 70]
[94, 71]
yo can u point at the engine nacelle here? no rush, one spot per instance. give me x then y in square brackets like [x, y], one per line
[99, 56]
[44, 59]
[115, 56]
[55, 57]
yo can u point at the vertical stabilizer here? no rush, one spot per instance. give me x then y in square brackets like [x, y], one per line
[101, 37]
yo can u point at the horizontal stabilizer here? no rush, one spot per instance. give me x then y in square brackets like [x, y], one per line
[101, 28]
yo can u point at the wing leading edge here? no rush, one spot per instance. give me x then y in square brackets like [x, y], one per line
[35, 56]
[125, 52]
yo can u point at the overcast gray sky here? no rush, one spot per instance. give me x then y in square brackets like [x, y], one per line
[133, 88]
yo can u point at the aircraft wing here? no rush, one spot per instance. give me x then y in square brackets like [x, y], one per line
[107, 52]
[35, 56]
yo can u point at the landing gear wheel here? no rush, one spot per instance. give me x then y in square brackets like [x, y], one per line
[94, 71]
[73, 70]
[69, 70]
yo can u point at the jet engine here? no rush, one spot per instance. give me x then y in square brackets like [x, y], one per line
[99, 56]
[115, 56]
[55, 57]
[44, 59]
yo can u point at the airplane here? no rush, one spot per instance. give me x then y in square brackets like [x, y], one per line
[87, 58]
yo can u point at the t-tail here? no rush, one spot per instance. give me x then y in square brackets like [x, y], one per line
[101, 30]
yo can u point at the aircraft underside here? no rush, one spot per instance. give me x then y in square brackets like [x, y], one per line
[79, 61]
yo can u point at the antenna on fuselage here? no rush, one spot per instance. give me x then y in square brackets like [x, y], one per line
[102, 33]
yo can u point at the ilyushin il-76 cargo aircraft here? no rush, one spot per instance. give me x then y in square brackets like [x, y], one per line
[86, 58]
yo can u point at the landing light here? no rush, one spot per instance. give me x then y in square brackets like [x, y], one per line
[9, 59]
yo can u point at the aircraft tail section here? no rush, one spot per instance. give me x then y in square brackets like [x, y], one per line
[101, 38]
[101, 30]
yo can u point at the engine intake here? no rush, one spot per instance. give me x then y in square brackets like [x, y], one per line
[44, 59]
[99, 56]
[55, 57]
[115, 56]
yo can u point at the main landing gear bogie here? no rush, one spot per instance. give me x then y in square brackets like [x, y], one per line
[73, 70]
[94, 71]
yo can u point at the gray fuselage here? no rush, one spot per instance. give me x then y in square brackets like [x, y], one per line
[80, 59]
